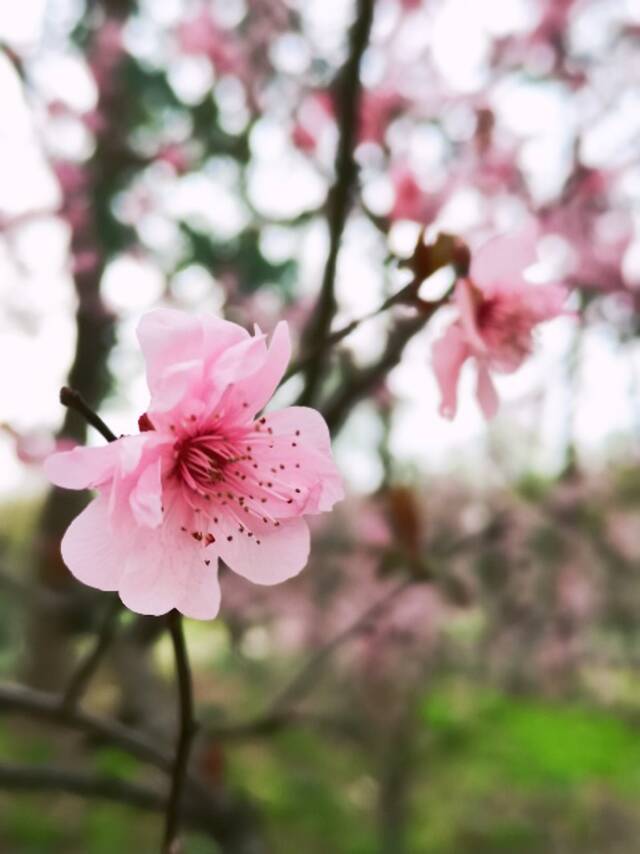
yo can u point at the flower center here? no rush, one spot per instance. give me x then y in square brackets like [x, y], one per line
[507, 331]
[201, 461]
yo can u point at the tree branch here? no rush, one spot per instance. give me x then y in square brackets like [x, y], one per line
[187, 731]
[230, 821]
[318, 349]
[47, 707]
[46, 779]
[95, 787]
[348, 93]
[72, 399]
[365, 380]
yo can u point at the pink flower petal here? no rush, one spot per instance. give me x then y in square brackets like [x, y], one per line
[270, 556]
[176, 347]
[165, 568]
[486, 393]
[449, 354]
[146, 497]
[90, 550]
[544, 302]
[465, 300]
[82, 468]
[296, 472]
[505, 258]
[200, 598]
[232, 375]
[303, 423]
[252, 392]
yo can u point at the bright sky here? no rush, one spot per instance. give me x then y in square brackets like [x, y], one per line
[36, 297]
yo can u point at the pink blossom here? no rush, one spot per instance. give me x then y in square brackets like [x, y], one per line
[34, 447]
[377, 110]
[71, 177]
[598, 229]
[498, 311]
[207, 477]
[176, 156]
[302, 138]
[201, 35]
[315, 114]
[411, 201]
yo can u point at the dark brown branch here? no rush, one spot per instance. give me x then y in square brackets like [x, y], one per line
[47, 707]
[230, 821]
[83, 673]
[47, 779]
[348, 93]
[187, 731]
[336, 337]
[74, 400]
[364, 381]
[17, 778]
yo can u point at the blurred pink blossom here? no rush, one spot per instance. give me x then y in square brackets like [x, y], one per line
[205, 479]
[34, 447]
[176, 156]
[576, 596]
[314, 116]
[411, 201]
[377, 109]
[598, 232]
[201, 35]
[302, 138]
[498, 311]
[72, 177]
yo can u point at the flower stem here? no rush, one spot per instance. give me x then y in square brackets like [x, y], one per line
[186, 732]
[72, 399]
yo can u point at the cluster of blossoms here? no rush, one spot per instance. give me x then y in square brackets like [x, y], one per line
[207, 477]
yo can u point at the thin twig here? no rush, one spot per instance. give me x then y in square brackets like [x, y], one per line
[317, 350]
[348, 93]
[187, 731]
[43, 778]
[72, 399]
[83, 673]
[363, 381]
[48, 707]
